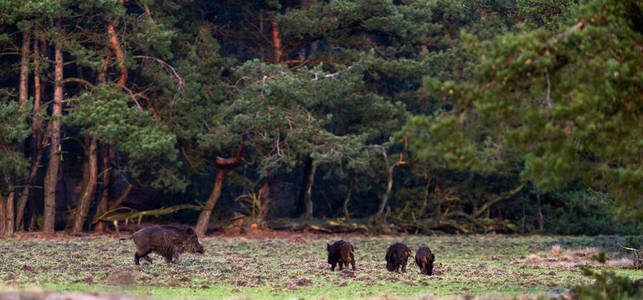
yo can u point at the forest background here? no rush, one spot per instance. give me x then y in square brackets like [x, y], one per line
[420, 116]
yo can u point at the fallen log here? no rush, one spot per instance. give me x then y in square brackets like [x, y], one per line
[115, 216]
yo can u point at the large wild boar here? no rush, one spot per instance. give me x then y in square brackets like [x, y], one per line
[424, 259]
[167, 241]
[341, 252]
[397, 256]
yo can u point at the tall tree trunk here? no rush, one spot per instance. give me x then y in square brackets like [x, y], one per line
[86, 196]
[108, 155]
[23, 95]
[10, 225]
[308, 200]
[54, 153]
[276, 41]
[36, 128]
[541, 219]
[37, 117]
[221, 163]
[24, 68]
[3, 220]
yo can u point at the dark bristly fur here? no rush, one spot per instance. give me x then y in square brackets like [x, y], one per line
[424, 259]
[341, 252]
[397, 256]
[167, 241]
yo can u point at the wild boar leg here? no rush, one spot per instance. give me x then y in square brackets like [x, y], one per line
[138, 256]
[147, 257]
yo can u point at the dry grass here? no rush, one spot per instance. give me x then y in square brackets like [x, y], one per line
[562, 258]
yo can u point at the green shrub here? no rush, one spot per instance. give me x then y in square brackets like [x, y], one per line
[584, 212]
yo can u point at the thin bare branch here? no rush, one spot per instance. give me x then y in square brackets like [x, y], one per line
[167, 67]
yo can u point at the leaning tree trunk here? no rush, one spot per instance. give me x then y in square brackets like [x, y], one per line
[387, 194]
[113, 40]
[204, 217]
[221, 163]
[51, 178]
[389, 182]
[24, 197]
[86, 196]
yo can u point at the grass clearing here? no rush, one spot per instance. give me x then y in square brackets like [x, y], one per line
[296, 267]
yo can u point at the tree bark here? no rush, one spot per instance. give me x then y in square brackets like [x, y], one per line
[276, 42]
[86, 196]
[2, 214]
[220, 163]
[10, 225]
[54, 153]
[113, 40]
[37, 118]
[24, 68]
[308, 200]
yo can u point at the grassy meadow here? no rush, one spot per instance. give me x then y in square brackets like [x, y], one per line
[295, 266]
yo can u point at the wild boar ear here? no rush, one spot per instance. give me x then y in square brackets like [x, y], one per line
[189, 230]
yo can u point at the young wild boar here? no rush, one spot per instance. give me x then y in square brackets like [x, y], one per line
[424, 259]
[397, 256]
[341, 252]
[167, 241]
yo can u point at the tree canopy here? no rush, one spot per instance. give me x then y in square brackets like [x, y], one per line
[467, 115]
